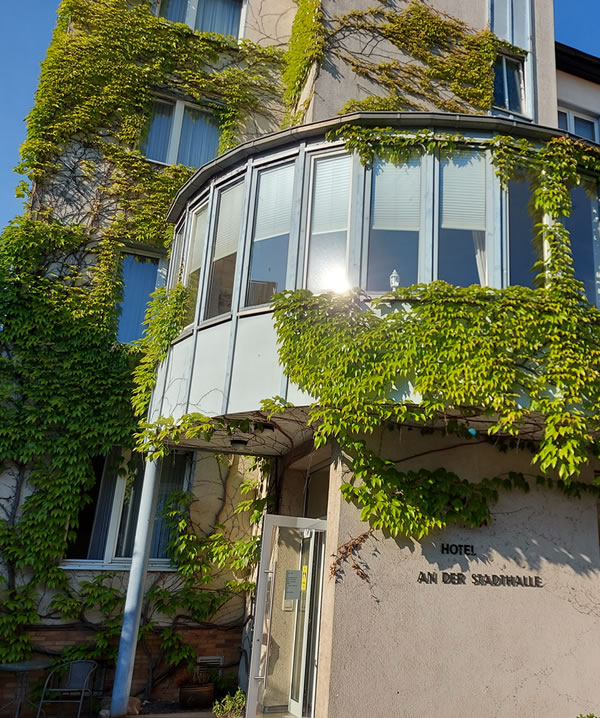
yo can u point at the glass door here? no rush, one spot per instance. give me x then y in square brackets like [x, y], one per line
[286, 624]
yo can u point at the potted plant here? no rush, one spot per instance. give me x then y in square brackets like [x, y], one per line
[197, 690]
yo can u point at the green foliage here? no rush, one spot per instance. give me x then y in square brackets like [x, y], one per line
[305, 49]
[445, 63]
[164, 321]
[510, 355]
[232, 706]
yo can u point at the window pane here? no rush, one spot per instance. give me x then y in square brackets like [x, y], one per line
[269, 252]
[227, 238]
[513, 80]
[173, 10]
[500, 20]
[395, 221]
[171, 479]
[139, 281]
[581, 225]
[522, 252]
[585, 128]
[199, 138]
[499, 91]
[156, 144]
[461, 240]
[129, 514]
[222, 16]
[329, 224]
[197, 241]
[563, 121]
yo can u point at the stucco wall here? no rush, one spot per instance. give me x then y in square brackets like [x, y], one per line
[394, 646]
[577, 93]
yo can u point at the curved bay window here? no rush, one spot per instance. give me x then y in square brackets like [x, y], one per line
[318, 219]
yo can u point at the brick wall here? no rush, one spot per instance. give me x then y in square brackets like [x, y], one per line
[205, 641]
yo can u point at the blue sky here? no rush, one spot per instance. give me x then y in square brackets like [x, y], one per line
[26, 30]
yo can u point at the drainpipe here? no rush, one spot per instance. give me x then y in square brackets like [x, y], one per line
[135, 592]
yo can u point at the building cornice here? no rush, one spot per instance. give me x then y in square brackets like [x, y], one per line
[578, 63]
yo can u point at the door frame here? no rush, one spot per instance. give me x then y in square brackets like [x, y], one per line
[270, 521]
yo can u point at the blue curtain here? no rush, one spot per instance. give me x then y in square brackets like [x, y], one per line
[222, 16]
[173, 10]
[199, 138]
[156, 144]
[139, 280]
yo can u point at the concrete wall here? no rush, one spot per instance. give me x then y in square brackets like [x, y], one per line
[544, 63]
[394, 646]
[577, 93]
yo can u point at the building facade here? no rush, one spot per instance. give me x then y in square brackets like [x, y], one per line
[430, 210]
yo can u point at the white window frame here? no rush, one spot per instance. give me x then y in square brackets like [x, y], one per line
[522, 83]
[582, 115]
[110, 561]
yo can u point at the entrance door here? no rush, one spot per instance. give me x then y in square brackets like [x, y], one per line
[283, 666]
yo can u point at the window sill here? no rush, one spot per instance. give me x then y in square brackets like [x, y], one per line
[258, 309]
[88, 565]
[510, 114]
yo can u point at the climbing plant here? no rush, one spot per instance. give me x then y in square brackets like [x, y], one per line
[65, 383]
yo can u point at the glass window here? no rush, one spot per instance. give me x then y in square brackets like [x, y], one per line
[156, 144]
[584, 128]
[395, 222]
[563, 121]
[197, 242]
[510, 21]
[221, 16]
[329, 224]
[116, 497]
[222, 269]
[508, 84]
[582, 225]
[199, 138]
[174, 10]
[270, 239]
[521, 233]
[462, 230]
[139, 281]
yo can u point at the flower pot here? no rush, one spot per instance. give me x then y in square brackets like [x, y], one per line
[195, 696]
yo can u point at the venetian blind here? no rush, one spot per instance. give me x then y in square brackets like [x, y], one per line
[397, 196]
[331, 189]
[228, 226]
[463, 192]
[274, 206]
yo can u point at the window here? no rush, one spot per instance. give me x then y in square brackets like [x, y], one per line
[222, 267]
[578, 124]
[583, 230]
[327, 250]
[395, 224]
[510, 20]
[220, 16]
[107, 525]
[271, 235]
[141, 276]
[180, 134]
[522, 252]
[194, 265]
[508, 84]
[462, 225]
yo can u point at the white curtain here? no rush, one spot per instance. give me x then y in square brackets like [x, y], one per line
[397, 196]
[228, 226]
[222, 16]
[479, 245]
[274, 206]
[156, 144]
[199, 138]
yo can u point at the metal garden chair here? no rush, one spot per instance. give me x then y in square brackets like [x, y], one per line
[69, 683]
